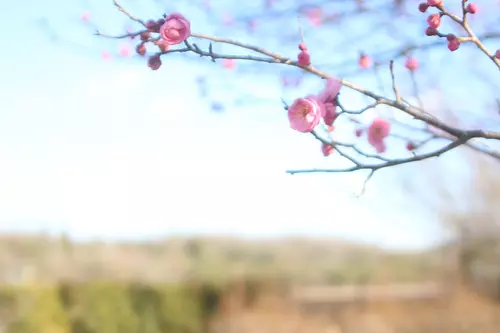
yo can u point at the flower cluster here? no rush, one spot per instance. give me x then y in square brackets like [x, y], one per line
[172, 29]
[306, 113]
[434, 21]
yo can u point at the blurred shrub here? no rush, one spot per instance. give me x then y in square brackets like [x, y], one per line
[109, 307]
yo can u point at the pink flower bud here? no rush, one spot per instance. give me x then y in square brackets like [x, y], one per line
[410, 146]
[434, 2]
[453, 45]
[434, 21]
[304, 58]
[431, 31]
[472, 8]
[140, 49]
[154, 62]
[365, 61]
[411, 63]
[153, 26]
[423, 7]
[326, 149]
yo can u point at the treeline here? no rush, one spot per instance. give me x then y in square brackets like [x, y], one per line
[108, 307]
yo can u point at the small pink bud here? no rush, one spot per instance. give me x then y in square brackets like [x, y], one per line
[423, 7]
[145, 36]
[364, 61]
[327, 150]
[434, 21]
[162, 45]
[140, 49]
[451, 37]
[431, 31]
[410, 146]
[302, 47]
[434, 2]
[330, 128]
[154, 62]
[497, 54]
[304, 58]
[472, 8]
[359, 132]
[153, 26]
[453, 45]
[411, 63]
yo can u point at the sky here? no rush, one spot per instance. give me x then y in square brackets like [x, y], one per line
[114, 150]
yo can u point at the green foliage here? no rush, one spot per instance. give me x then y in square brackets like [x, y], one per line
[103, 307]
[108, 307]
[39, 310]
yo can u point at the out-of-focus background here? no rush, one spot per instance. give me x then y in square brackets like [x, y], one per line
[148, 201]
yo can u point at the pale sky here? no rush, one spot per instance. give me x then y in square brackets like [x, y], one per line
[115, 150]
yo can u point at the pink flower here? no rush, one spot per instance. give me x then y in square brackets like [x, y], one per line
[497, 54]
[327, 150]
[304, 115]
[377, 132]
[176, 29]
[304, 58]
[327, 101]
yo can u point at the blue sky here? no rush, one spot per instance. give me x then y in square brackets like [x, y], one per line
[115, 150]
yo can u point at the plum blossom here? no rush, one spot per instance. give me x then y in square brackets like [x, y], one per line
[304, 114]
[176, 29]
[327, 100]
[377, 132]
